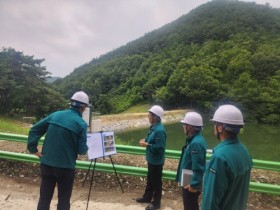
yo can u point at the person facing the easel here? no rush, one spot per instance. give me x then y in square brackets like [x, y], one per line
[66, 136]
[155, 155]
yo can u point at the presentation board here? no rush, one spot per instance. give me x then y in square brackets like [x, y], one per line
[101, 144]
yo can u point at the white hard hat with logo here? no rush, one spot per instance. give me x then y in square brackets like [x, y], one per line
[81, 97]
[192, 118]
[157, 110]
[228, 114]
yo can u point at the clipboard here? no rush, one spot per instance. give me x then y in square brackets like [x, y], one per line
[186, 177]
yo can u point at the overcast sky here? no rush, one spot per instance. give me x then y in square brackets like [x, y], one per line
[70, 33]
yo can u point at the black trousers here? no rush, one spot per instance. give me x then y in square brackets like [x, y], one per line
[50, 176]
[154, 184]
[190, 199]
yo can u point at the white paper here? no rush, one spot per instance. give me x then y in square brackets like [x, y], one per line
[94, 143]
[100, 144]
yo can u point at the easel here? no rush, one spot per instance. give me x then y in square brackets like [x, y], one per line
[92, 175]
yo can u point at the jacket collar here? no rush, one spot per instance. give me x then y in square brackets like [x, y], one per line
[154, 126]
[190, 138]
[76, 110]
[226, 142]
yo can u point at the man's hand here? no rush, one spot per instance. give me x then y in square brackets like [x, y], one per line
[190, 189]
[143, 143]
[38, 154]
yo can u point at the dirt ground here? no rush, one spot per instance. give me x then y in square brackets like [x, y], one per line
[16, 193]
[19, 186]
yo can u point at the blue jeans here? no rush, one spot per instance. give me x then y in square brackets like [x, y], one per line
[64, 178]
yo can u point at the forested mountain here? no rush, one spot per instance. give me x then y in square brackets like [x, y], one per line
[222, 51]
[52, 79]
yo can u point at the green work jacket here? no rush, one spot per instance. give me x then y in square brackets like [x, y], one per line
[193, 157]
[65, 138]
[156, 139]
[227, 177]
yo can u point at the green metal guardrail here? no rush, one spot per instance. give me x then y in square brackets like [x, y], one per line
[173, 154]
[130, 170]
[103, 167]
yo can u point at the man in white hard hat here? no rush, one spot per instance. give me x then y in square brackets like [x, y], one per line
[155, 155]
[227, 176]
[65, 139]
[193, 158]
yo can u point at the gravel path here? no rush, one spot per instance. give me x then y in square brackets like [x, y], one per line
[131, 121]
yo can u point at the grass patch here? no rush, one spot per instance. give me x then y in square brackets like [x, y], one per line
[120, 141]
[8, 125]
[137, 109]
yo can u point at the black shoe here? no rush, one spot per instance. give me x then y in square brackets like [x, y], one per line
[143, 200]
[152, 207]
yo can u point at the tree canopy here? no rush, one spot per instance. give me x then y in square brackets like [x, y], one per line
[23, 89]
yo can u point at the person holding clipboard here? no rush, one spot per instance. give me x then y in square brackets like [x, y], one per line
[192, 162]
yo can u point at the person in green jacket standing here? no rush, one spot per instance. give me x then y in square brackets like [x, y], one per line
[66, 136]
[155, 155]
[193, 158]
[227, 175]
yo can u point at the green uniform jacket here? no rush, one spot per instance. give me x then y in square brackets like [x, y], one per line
[156, 139]
[65, 138]
[227, 177]
[193, 157]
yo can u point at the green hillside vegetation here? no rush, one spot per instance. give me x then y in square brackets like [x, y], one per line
[9, 125]
[222, 51]
[143, 108]
[52, 79]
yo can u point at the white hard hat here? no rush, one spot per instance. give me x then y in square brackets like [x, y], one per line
[228, 114]
[193, 118]
[157, 110]
[81, 97]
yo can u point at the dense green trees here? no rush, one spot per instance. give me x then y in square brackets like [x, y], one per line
[23, 89]
[223, 51]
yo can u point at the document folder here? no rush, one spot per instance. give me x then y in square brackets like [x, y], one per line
[186, 177]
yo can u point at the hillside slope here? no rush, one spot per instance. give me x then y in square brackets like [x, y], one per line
[222, 51]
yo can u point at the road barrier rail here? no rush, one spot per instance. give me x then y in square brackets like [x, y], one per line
[137, 171]
[127, 149]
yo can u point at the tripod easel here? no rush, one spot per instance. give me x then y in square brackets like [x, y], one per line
[92, 175]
